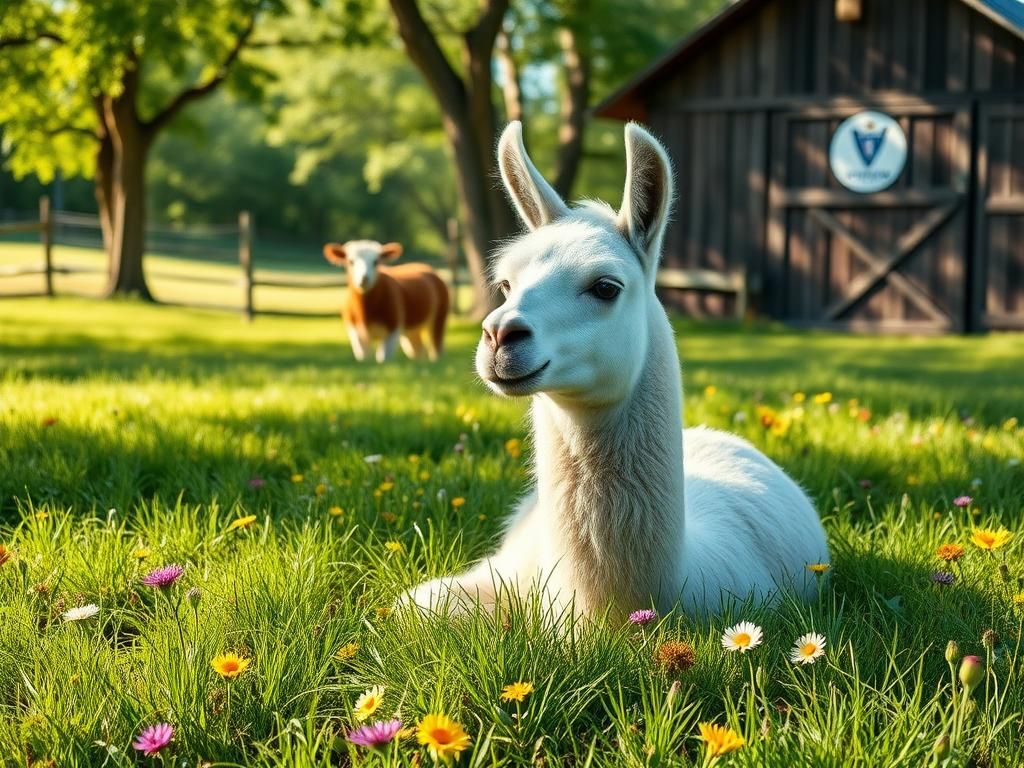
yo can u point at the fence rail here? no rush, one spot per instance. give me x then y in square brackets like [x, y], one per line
[733, 283]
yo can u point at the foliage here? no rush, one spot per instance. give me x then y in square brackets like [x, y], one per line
[160, 427]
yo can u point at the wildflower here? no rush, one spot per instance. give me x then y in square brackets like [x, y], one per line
[373, 458]
[719, 740]
[153, 739]
[962, 501]
[298, 478]
[242, 522]
[808, 649]
[643, 617]
[230, 665]
[49, 421]
[949, 552]
[990, 638]
[818, 568]
[164, 577]
[444, 737]
[257, 482]
[742, 637]
[710, 390]
[321, 489]
[40, 515]
[799, 397]
[382, 612]
[675, 657]
[335, 511]
[375, 734]
[1018, 599]
[81, 613]
[952, 652]
[193, 596]
[971, 672]
[369, 702]
[346, 651]
[142, 553]
[5, 554]
[458, 501]
[943, 578]
[394, 546]
[424, 475]
[941, 747]
[513, 448]
[987, 539]
[390, 517]
[386, 486]
[822, 398]
[516, 691]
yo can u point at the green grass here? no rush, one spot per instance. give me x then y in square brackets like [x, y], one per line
[127, 427]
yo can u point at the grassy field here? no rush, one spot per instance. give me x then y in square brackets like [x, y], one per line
[133, 437]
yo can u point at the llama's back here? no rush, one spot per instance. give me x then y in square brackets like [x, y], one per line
[750, 530]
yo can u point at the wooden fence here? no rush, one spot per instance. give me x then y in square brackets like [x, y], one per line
[729, 283]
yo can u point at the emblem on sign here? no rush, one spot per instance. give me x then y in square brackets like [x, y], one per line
[868, 152]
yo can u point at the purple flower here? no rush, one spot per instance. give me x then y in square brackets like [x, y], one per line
[151, 740]
[257, 482]
[943, 578]
[962, 501]
[164, 577]
[376, 734]
[643, 617]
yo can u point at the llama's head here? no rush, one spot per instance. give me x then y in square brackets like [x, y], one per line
[361, 259]
[579, 285]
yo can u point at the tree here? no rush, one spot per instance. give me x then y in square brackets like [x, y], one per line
[88, 87]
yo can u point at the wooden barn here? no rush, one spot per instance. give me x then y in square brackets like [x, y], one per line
[861, 161]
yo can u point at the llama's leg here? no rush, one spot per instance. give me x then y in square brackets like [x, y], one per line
[358, 348]
[412, 343]
[386, 349]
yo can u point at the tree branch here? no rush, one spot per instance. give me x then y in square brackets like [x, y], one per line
[199, 90]
[426, 54]
[287, 42]
[21, 40]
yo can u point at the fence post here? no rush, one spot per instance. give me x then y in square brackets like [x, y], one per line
[46, 231]
[245, 259]
[453, 260]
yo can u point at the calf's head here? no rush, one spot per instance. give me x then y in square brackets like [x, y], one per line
[361, 259]
[579, 285]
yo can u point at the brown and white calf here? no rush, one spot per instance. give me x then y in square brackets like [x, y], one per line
[388, 304]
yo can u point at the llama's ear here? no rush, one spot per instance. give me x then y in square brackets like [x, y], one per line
[390, 251]
[648, 194]
[538, 204]
[335, 253]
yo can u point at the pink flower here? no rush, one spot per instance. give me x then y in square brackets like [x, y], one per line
[962, 501]
[643, 617]
[376, 734]
[257, 482]
[164, 577]
[151, 740]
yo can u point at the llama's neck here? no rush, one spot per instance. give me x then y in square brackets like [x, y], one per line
[611, 481]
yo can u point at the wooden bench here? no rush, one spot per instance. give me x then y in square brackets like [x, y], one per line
[733, 283]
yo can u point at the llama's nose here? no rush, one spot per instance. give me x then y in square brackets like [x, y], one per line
[506, 332]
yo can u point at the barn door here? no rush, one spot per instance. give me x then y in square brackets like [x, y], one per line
[888, 260]
[999, 231]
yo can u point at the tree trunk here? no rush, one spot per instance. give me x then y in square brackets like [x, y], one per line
[575, 97]
[104, 178]
[510, 89]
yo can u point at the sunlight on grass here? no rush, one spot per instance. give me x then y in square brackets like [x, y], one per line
[301, 493]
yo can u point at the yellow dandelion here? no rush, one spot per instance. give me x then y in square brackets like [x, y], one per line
[818, 568]
[710, 390]
[394, 546]
[949, 552]
[142, 553]
[42, 515]
[822, 398]
[444, 737]
[513, 448]
[383, 612]
[799, 397]
[458, 501]
[516, 691]
[414, 459]
[321, 489]
[1018, 599]
[988, 539]
[369, 702]
[386, 486]
[242, 522]
[335, 511]
[347, 651]
[230, 665]
[424, 475]
[719, 740]
[297, 478]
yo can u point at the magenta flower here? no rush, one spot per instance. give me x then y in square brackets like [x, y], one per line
[164, 577]
[643, 618]
[943, 578]
[257, 482]
[376, 734]
[962, 501]
[151, 740]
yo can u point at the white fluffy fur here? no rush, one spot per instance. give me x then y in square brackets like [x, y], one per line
[629, 510]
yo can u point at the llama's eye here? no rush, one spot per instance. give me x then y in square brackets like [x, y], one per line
[606, 290]
[505, 288]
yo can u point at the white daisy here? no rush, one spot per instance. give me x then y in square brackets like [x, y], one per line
[81, 613]
[808, 648]
[742, 637]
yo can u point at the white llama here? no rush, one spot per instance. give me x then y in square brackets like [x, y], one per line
[614, 520]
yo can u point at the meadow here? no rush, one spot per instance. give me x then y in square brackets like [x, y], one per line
[301, 493]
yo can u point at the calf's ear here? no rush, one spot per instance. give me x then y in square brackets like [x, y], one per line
[647, 197]
[335, 253]
[538, 204]
[390, 251]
